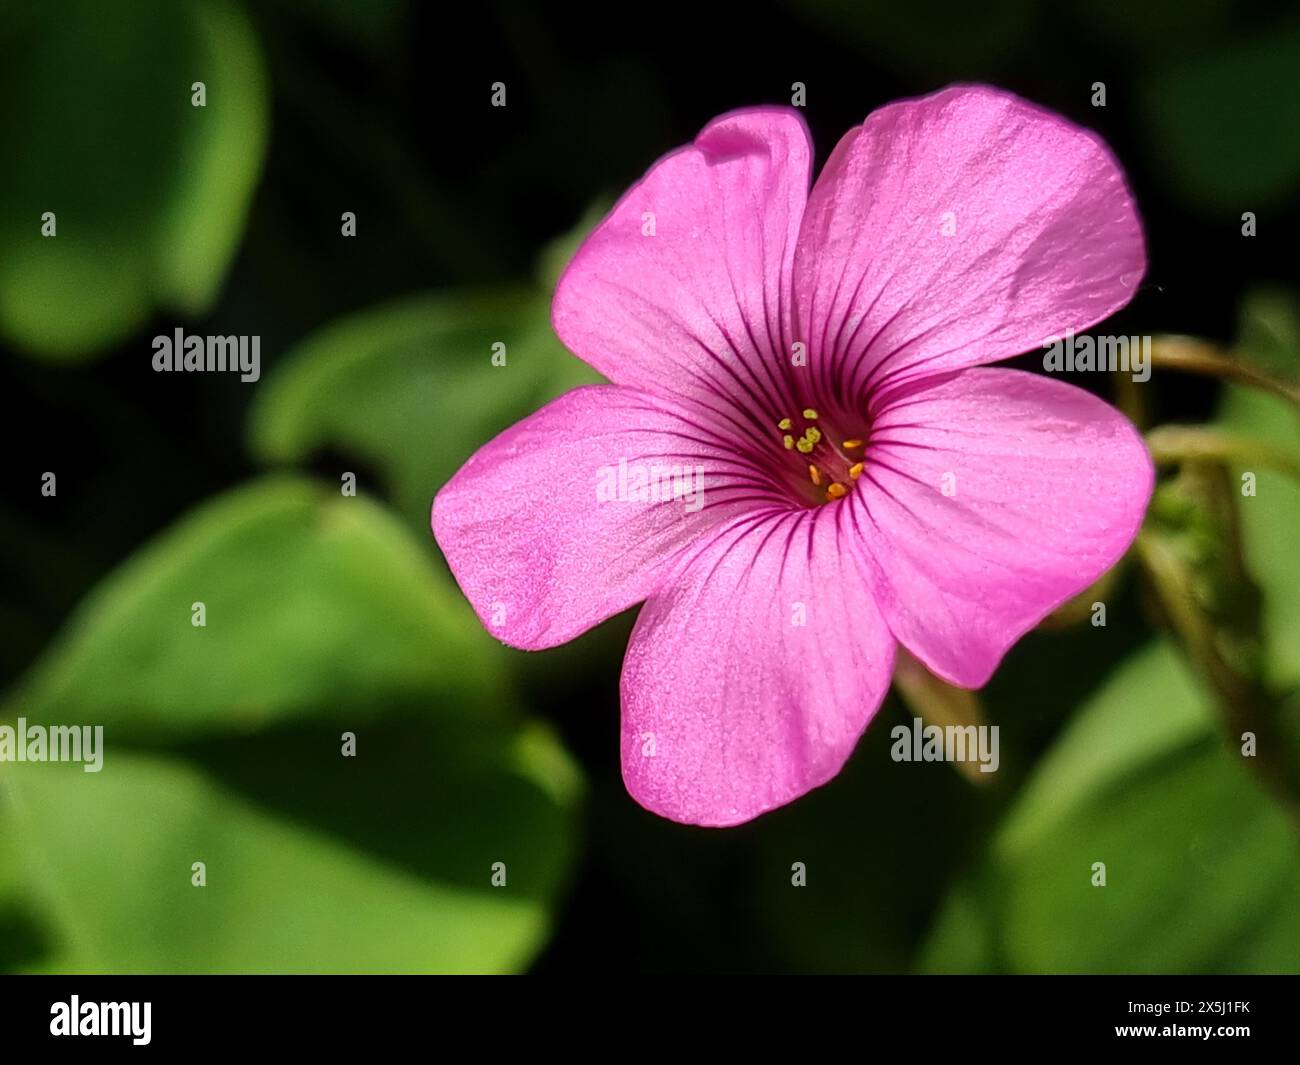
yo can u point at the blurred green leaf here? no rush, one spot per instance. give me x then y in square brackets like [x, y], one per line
[1139, 783]
[1270, 333]
[149, 192]
[108, 860]
[1106, 743]
[323, 615]
[1225, 123]
[8, 853]
[218, 163]
[412, 388]
[1269, 520]
[1272, 944]
[314, 603]
[21, 940]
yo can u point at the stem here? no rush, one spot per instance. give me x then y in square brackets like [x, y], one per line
[1172, 444]
[1198, 356]
[1213, 608]
[937, 702]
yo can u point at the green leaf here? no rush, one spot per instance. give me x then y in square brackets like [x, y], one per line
[21, 937]
[1225, 123]
[218, 163]
[314, 603]
[1270, 333]
[1139, 783]
[1107, 742]
[412, 388]
[8, 854]
[1269, 520]
[325, 620]
[108, 858]
[149, 192]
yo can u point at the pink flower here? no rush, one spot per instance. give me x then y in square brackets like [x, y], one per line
[819, 355]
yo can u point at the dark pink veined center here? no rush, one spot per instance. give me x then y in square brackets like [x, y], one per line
[820, 458]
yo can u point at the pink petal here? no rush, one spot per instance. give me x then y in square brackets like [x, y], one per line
[731, 708]
[539, 557]
[702, 308]
[1048, 486]
[1044, 239]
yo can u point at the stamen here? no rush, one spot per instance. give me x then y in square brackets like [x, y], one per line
[831, 462]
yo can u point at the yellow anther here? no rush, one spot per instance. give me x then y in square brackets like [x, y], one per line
[849, 445]
[788, 441]
[812, 433]
[855, 471]
[810, 414]
[804, 445]
[836, 491]
[815, 474]
[785, 423]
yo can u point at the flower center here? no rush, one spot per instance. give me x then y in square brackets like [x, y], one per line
[826, 463]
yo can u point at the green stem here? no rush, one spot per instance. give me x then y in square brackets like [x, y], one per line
[1190, 355]
[1173, 444]
[1194, 565]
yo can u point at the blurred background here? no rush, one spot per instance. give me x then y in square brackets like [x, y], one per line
[328, 614]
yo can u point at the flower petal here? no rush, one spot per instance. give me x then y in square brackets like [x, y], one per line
[540, 554]
[685, 288]
[752, 673]
[955, 230]
[990, 497]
